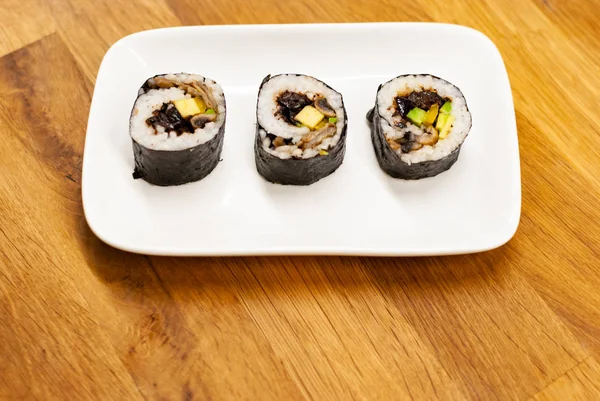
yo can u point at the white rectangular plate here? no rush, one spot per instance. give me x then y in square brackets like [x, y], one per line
[358, 210]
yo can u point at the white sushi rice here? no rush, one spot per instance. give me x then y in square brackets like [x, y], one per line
[273, 123]
[158, 139]
[403, 86]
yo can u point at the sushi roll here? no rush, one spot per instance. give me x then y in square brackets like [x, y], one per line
[177, 127]
[301, 129]
[418, 126]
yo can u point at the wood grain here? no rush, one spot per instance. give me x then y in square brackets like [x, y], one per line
[23, 22]
[580, 383]
[81, 320]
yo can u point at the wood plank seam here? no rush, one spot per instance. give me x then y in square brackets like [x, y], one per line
[559, 377]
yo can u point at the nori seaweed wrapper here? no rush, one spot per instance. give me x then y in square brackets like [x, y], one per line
[177, 167]
[166, 167]
[390, 161]
[295, 171]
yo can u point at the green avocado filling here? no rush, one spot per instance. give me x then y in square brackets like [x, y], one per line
[442, 115]
[427, 110]
[446, 108]
[417, 116]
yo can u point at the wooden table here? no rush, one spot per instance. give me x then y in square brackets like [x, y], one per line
[80, 320]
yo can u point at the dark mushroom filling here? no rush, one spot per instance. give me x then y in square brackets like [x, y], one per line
[183, 115]
[428, 111]
[290, 104]
[298, 110]
[170, 119]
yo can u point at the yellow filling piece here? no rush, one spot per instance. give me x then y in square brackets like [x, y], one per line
[431, 114]
[190, 107]
[447, 126]
[310, 117]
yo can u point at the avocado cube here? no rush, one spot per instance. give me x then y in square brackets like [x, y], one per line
[446, 108]
[431, 114]
[416, 115]
[442, 118]
[190, 107]
[446, 130]
[310, 117]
